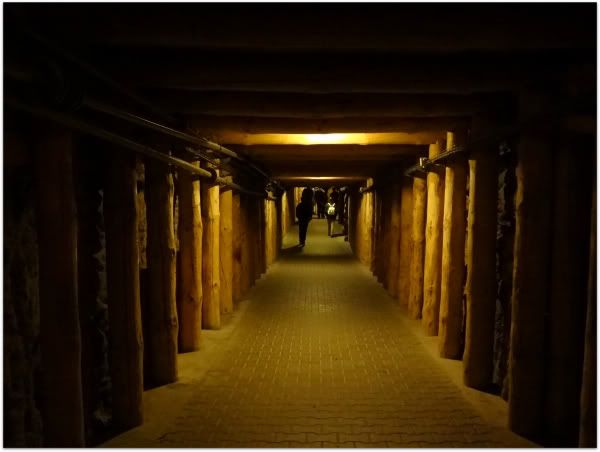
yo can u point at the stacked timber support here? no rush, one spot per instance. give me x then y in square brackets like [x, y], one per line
[226, 249]
[415, 298]
[453, 255]
[531, 268]
[60, 339]
[189, 277]
[433, 245]
[211, 284]
[480, 257]
[162, 305]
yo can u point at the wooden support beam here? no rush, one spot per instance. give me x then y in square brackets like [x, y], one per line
[480, 257]
[415, 299]
[453, 255]
[568, 292]
[211, 282]
[255, 125]
[392, 267]
[325, 106]
[230, 138]
[246, 256]
[60, 339]
[588, 418]
[433, 246]
[189, 278]
[226, 249]
[237, 269]
[162, 303]
[126, 351]
[89, 180]
[406, 225]
[331, 151]
[531, 274]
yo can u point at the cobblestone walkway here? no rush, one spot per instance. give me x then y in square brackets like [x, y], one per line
[320, 358]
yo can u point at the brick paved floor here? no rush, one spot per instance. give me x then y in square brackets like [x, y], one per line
[320, 357]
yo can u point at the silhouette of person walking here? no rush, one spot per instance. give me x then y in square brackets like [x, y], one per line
[304, 211]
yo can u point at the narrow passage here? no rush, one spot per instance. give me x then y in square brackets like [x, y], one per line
[321, 357]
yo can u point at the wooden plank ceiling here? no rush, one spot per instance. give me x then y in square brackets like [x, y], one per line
[246, 75]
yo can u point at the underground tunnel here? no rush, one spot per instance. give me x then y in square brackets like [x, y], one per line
[299, 225]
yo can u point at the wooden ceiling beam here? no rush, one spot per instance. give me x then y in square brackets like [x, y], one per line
[311, 27]
[228, 138]
[329, 151]
[252, 125]
[336, 106]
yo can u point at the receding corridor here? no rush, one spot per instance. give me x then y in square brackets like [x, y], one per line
[320, 356]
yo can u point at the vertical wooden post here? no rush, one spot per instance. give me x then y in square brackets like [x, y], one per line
[236, 221]
[88, 180]
[415, 299]
[123, 284]
[531, 272]
[226, 249]
[190, 257]
[568, 297]
[211, 283]
[588, 417]
[480, 287]
[279, 222]
[62, 409]
[394, 240]
[453, 255]
[247, 270]
[162, 304]
[433, 246]
[405, 253]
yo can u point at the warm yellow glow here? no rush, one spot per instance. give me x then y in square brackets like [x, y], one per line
[248, 139]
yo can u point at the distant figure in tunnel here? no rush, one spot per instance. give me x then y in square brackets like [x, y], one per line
[304, 211]
[320, 199]
[331, 211]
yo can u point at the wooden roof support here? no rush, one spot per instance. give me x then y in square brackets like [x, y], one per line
[60, 339]
[531, 274]
[453, 255]
[480, 257]
[433, 246]
[126, 352]
[326, 106]
[162, 305]
[254, 125]
[189, 278]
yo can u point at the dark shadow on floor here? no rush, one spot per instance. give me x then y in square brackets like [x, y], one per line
[291, 250]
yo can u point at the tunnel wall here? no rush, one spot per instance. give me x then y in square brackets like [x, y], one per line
[552, 334]
[256, 237]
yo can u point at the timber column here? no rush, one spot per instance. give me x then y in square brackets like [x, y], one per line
[433, 245]
[531, 274]
[415, 298]
[406, 224]
[189, 278]
[123, 283]
[394, 243]
[453, 254]
[226, 248]
[60, 339]
[162, 303]
[211, 282]
[480, 287]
